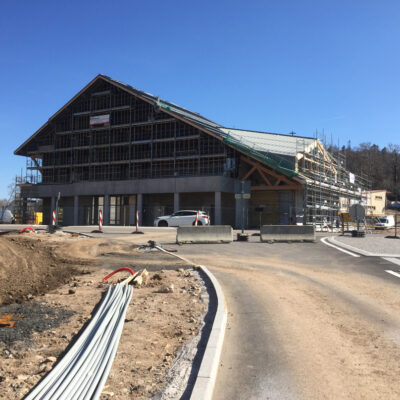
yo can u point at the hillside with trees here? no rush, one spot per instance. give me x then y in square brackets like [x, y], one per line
[382, 166]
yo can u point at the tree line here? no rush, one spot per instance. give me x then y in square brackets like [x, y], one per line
[381, 166]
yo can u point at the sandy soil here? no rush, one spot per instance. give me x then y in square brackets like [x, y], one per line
[156, 326]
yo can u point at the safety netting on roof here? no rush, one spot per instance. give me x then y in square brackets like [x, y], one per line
[278, 164]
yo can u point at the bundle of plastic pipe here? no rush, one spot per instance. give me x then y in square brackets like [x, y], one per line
[82, 372]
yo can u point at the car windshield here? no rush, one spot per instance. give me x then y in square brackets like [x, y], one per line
[383, 220]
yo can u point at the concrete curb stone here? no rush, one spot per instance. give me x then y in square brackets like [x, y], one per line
[206, 378]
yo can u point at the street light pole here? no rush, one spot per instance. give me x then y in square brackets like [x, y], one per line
[58, 199]
[242, 206]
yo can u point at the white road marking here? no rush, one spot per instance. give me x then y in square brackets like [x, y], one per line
[392, 272]
[323, 240]
[392, 260]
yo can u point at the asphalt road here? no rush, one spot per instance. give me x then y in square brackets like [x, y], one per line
[305, 322]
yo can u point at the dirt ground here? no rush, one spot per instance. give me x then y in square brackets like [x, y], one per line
[54, 282]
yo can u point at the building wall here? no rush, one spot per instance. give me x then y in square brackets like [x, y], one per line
[138, 151]
[135, 141]
[377, 202]
[270, 201]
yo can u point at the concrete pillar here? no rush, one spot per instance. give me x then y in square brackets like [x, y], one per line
[176, 202]
[106, 210]
[238, 213]
[76, 210]
[241, 204]
[132, 214]
[241, 214]
[139, 205]
[300, 207]
[218, 211]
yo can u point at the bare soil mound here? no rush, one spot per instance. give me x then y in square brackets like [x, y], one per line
[30, 266]
[165, 313]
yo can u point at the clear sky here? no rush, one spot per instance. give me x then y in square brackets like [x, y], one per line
[277, 66]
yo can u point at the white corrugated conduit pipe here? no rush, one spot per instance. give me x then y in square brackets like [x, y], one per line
[83, 371]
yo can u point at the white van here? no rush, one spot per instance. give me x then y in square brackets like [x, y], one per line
[385, 222]
[6, 217]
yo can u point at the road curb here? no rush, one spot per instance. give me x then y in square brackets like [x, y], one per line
[365, 253]
[205, 381]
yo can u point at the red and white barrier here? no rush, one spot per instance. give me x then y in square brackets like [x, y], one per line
[137, 221]
[197, 219]
[100, 220]
[53, 220]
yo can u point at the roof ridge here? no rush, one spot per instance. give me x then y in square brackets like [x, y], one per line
[268, 133]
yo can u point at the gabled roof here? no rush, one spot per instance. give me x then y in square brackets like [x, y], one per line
[264, 146]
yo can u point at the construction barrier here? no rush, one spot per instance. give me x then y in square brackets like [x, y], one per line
[100, 220]
[53, 218]
[286, 233]
[137, 223]
[204, 234]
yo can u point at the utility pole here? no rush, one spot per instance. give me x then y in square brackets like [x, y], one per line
[395, 188]
[243, 237]
[242, 193]
[58, 199]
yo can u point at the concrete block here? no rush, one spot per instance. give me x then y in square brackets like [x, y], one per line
[204, 234]
[285, 233]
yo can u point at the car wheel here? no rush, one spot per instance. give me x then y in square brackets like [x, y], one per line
[163, 223]
[198, 223]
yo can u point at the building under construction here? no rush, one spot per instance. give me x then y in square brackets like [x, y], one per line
[117, 149]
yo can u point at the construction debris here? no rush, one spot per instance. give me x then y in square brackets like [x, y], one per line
[141, 277]
[9, 320]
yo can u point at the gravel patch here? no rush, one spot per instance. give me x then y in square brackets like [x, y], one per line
[37, 317]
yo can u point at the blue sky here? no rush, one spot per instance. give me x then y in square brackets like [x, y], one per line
[278, 66]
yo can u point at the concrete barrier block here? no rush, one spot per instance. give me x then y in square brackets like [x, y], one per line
[285, 233]
[204, 234]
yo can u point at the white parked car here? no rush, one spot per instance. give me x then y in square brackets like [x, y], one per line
[385, 222]
[183, 218]
[6, 217]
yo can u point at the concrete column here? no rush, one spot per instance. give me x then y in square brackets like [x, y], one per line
[132, 215]
[176, 202]
[76, 210]
[242, 204]
[106, 210]
[300, 207]
[218, 211]
[238, 213]
[139, 205]
[241, 212]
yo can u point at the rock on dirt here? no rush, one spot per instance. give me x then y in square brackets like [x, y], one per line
[167, 288]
